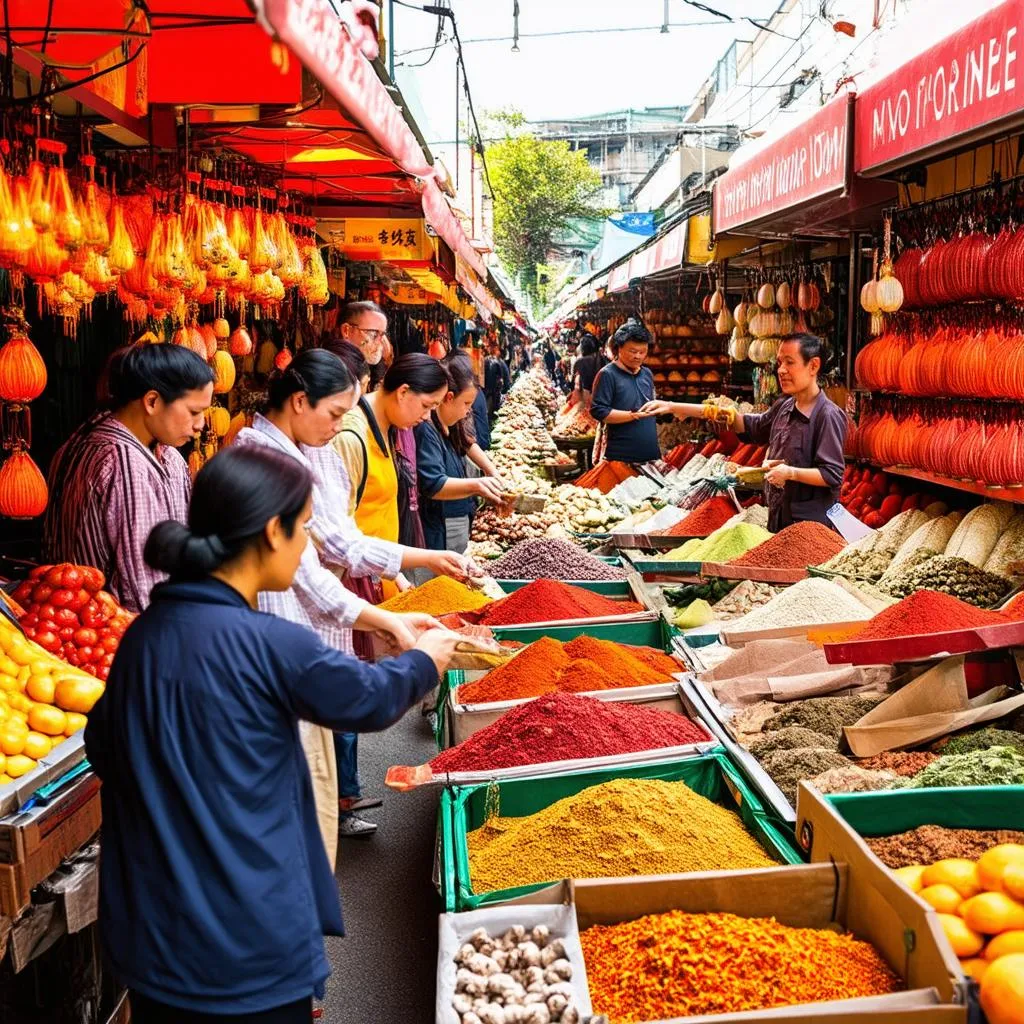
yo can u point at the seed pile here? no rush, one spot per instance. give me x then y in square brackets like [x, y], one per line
[788, 768]
[562, 726]
[928, 843]
[584, 663]
[795, 547]
[551, 558]
[927, 611]
[902, 762]
[623, 827]
[552, 601]
[807, 603]
[683, 965]
[826, 715]
[439, 596]
[996, 766]
[857, 779]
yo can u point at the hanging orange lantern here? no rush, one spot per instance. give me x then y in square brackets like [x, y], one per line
[283, 359]
[221, 328]
[22, 371]
[240, 344]
[23, 493]
[209, 339]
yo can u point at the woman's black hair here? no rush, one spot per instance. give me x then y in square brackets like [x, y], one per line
[811, 346]
[588, 346]
[631, 330]
[169, 370]
[314, 371]
[460, 375]
[350, 355]
[421, 373]
[234, 496]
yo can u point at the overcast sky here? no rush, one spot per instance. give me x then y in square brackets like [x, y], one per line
[633, 65]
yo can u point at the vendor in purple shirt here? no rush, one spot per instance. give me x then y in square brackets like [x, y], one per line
[804, 431]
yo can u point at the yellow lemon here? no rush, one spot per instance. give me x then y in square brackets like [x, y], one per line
[37, 745]
[47, 719]
[19, 765]
[76, 722]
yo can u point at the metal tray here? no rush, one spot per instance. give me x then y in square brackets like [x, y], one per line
[926, 646]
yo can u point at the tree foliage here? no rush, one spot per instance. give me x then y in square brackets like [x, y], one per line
[539, 187]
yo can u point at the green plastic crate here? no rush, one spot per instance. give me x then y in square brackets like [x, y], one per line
[657, 634]
[463, 807]
[890, 812]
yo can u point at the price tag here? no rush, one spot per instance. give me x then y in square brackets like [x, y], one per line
[851, 528]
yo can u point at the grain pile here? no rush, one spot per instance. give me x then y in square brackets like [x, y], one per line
[810, 602]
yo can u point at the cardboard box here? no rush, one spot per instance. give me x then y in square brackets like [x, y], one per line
[24, 832]
[878, 901]
[43, 848]
[805, 896]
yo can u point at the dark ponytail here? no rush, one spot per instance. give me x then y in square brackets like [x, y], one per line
[314, 372]
[459, 370]
[235, 495]
[422, 374]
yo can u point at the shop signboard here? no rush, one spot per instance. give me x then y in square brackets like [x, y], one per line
[383, 239]
[318, 37]
[968, 86]
[809, 162]
[641, 263]
[618, 279]
[669, 249]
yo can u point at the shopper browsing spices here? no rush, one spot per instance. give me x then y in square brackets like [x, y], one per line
[119, 474]
[447, 495]
[215, 889]
[805, 432]
[624, 398]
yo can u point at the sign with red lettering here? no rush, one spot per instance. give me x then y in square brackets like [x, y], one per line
[669, 250]
[808, 162]
[970, 81]
[641, 263]
[318, 37]
[618, 279]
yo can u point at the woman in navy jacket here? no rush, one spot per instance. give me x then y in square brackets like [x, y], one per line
[216, 890]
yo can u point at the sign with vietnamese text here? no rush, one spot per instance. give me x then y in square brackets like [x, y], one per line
[808, 162]
[968, 81]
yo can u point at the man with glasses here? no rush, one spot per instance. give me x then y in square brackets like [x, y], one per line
[365, 325]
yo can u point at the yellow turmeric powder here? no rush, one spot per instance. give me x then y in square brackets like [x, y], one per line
[622, 827]
[439, 596]
[686, 965]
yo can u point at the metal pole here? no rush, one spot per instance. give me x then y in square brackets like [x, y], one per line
[664, 20]
[457, 155]
[852, 304]
[391, 39]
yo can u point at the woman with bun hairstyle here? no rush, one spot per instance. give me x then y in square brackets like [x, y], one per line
[804, 430]
[305, 407]
[215, 890]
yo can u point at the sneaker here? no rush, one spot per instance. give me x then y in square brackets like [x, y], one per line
[354, 827]
[358, 803]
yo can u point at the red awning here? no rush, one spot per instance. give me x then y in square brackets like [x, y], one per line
[968, 87]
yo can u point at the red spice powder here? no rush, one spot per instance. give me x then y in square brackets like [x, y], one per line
[927, 611]
[705, 518]
[561, 726]
[586, 663]
[1015, 609]
[550, 601]
[795, 547]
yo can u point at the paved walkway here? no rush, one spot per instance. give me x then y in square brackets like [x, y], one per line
[384, 969]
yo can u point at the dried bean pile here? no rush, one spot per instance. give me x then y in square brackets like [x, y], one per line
[928, 843]
[551, 558]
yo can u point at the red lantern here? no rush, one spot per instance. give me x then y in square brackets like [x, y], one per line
[240, 344]
[22, 371]
[209, 339]
[283, 359]
[437, 349]
[23, 493]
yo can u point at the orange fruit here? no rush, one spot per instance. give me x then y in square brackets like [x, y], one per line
[37, 745]
[75, 722]
[12, 741]
[48, 720]
[19, 765]
[78, 693]
[41, 688]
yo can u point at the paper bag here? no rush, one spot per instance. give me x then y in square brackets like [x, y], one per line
[932, 706]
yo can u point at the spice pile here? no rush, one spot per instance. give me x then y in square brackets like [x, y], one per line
[951, 575]
[810, 602]
[527, 970]
[551, 558]
[562, 727]
[750, 594]
[855, 778]
[584, 663]
[927, 844]
[927, 611]
[623, 827]
[439, 596]
[826, 715]
[901, 762]
[994, 766]
[605, 475]
[723, 545]
[788, 768]
[795, 547]
[552, 601]
[683, 965]
[705, 519]
[981, 739]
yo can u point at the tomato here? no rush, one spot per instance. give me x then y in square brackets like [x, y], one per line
[47, 612]
[29, 619]
[48, 640]
[103, 673]
[23, 592]
[30, 631]
[80, 600]
[62, 598]
[66, 633]
[66, 617]
[107, 659]
[110, 642]
[39, 571]
[92, 615]
[68, 648]
[86, 637]
[73, 577]
[98, 654]
[85, 652]
[92, 579]
[55, 575]
[41, 592]
[74, 658]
